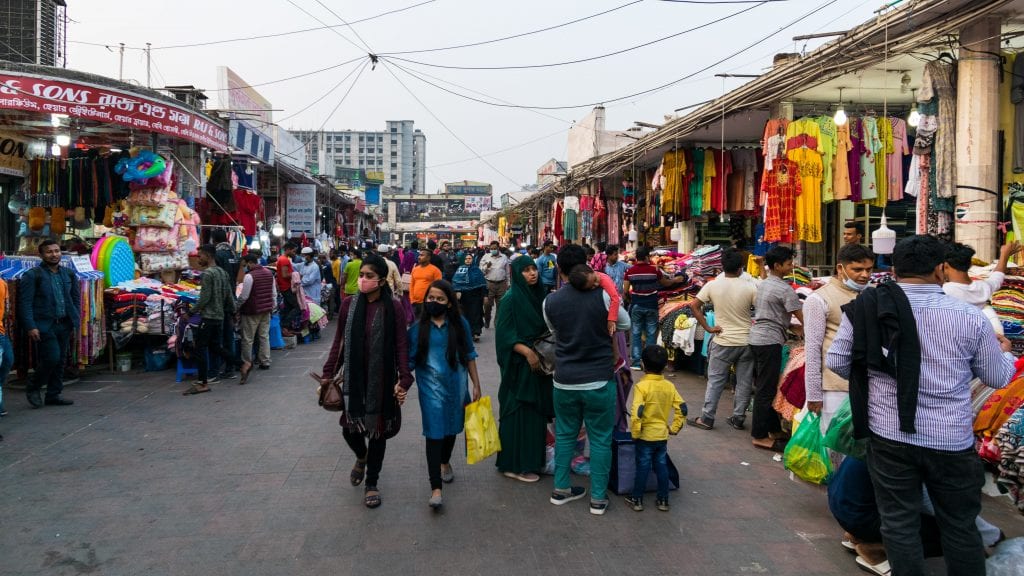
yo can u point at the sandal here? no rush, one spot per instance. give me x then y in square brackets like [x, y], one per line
[778, 445]
[700, 423]
[528, 477]
[192, 390]
[358, 472]
[881, 569]
[372, 500]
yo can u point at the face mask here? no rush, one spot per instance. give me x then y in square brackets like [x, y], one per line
[435, 309]
[366, 285]
[852, 285]
[494, 252]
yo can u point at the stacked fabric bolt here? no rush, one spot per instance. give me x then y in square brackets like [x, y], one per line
[1008, 303]
[800, 277]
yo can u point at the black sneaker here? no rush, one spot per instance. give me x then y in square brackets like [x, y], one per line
[575, 493]
[227, 376]
[35, 398]
[735, 422]
[598, 507]
[635, 503]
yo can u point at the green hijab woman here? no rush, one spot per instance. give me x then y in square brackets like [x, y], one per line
[524, 396]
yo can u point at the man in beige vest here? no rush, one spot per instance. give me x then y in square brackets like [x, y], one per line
[825, 389]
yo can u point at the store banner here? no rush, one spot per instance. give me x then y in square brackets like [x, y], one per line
[301, 212]
[13, 155]
[80, 100]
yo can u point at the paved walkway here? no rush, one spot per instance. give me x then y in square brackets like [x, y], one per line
[253, 480]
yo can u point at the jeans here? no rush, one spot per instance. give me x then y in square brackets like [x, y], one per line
[720, 360]
[644, 321]
[648, 454]
[596, 409]
[372, 452]
[6, 363]
[256, 328]
[767, 369]
[953, 480]
[290, 314]
[227, 343]
[439, 452]
[51, 356]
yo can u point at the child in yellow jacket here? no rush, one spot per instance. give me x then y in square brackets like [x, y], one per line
[654, 398]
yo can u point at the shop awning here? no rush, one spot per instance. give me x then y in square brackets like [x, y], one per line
[901, 31]
[107, 109]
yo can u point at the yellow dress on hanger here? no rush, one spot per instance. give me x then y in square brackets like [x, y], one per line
[808, 203]
[709, 173]
[881, 174]
[842, 189]
[673, 168]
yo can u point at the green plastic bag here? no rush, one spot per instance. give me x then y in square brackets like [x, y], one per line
[839, 436]
[806, 455]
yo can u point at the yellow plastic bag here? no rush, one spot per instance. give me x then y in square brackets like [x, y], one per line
[481, 431]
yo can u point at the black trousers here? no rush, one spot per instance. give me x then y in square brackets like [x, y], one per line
[291, 314]
[767, 369]
[210, 341]
[372, 451]
[227, 342]
[438, 452]
[472, 303]
[954, 481]
[51, 356]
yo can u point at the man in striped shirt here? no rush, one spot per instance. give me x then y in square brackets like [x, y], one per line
[640, 285]
[921, 428]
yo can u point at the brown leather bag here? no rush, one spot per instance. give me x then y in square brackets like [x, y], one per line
[329, 394]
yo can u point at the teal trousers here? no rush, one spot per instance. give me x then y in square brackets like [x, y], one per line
[596, 409]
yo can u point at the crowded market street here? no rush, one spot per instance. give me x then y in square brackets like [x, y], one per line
[253, 480]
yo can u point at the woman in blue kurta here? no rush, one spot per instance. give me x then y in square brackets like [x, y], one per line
[442, 354]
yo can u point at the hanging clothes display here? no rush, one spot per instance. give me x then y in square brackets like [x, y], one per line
[697, 183]
[853, 158]
[841, 184]
[782, 186]
[572, 209]
[673, 168]
[827, 144]
[937, 84]
[744, 161]
[586, 216]
[803, 147]
[709, 173]
[723, 168]
[871, 147]
[773, 145]
[894, 159]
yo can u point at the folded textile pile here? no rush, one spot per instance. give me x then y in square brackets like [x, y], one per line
[800, 277]
[1008, 302]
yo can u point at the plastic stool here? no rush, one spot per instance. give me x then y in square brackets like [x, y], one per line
[185, 368]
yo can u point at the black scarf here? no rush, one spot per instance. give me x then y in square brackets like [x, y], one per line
[371, 368]
[883, 318]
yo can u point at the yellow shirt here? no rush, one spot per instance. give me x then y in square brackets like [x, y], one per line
[653, 398]
[336, 270]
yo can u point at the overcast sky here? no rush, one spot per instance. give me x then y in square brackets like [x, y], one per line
[533, 136]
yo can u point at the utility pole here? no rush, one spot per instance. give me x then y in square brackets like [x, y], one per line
[120, 65]
[148, 61]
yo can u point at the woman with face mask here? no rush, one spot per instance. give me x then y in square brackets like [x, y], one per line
[371, 350]
[822, 314]
[442, 354]
[471, 288]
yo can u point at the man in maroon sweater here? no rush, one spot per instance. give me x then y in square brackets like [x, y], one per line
[255, 305]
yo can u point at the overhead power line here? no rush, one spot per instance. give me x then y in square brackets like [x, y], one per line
[591, 58]
[260, 36]
[635, 94]
[325, 95]
[303, 75]
[338, 105]
[520, 35]
[335, 30]
[445, 126]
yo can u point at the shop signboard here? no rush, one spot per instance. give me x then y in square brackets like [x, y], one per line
[301, 213]
[475, 204]
[14, 154]
[45, 95]
[238, 96]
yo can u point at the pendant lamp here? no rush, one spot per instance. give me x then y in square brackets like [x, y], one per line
[840, 117]
[915, 117]
[632, 234]
[277, 229]
[883, 240]
[675, 234]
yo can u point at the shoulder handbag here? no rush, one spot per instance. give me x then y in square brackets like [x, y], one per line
[329, 393]
[545, 349]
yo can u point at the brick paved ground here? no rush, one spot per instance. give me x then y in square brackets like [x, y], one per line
[253, 480]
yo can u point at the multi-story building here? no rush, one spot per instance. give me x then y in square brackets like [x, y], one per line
[34, 31]
[399, 152]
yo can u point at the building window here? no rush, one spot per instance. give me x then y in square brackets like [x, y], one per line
[362, 151]
[394, 165]
[380, 150]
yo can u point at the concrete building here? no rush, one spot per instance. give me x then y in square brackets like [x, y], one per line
[451, 216]
[399, 152]
[34, 32]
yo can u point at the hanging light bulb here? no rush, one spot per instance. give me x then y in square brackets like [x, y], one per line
[675, 234]
[840, 117]
[915, 117]
[63, 140]
[277, 229]
[55, 149]
[255, 244]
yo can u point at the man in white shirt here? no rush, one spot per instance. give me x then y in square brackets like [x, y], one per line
[309, 270]
[494, 265]
[977, 293]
